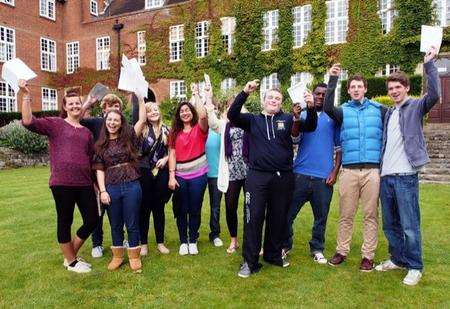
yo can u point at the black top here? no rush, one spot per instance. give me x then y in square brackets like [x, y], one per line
[94, 124]
[270, 147]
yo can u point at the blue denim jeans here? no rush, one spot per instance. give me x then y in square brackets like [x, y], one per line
[315, 191]
[124, 209]
[190, 199]
[215, 197]
[401, 219]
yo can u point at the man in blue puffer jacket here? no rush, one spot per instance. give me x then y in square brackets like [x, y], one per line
[361, 123]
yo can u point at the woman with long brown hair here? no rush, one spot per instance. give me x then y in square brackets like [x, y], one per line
[116, 162]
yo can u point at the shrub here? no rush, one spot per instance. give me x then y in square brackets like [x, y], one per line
[385, 100]
[15, 136]
[6, 118]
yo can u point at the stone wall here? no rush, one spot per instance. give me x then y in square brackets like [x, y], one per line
[12, 159]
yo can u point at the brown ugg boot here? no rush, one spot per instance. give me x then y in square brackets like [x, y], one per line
[134, 257]
[117, 259]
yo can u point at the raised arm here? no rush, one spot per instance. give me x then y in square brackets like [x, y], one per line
[134, 109]
[234, 112]
[27, 115]
[334, 112]
[310, 122]
[433, 89]
[88, 103]
[138, 127]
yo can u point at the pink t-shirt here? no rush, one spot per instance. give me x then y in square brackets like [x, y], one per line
[190, 153]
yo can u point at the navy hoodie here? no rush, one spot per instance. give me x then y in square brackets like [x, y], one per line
[270, 141]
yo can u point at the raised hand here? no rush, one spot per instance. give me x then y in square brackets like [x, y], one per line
[430, 55]
[296, 110]
[309, 99]
[335, 69]
[251, 86]
[23, 86]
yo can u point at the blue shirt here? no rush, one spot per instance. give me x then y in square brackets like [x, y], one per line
[212, 149]
[316, 149]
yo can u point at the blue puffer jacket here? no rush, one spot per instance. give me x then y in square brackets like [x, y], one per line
[361, 132]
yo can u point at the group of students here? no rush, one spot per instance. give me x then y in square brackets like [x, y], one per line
[377, 150]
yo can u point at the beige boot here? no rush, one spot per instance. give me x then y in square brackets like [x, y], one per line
[134, 257]
[117, 259]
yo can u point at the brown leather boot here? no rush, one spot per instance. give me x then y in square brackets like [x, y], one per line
[134, 257]
[117, 259]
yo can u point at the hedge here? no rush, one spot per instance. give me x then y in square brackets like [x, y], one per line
[376, 87]
[6, 118]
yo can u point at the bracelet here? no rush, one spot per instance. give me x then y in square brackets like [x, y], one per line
[102, 192]
[171, 171]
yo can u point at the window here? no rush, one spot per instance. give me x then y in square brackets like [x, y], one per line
[72, 56]
[103, 51]
[388, 69]
[201, 39]
[94, 7]
[337, 95]
[303, 77]
[227, 84]
[228, 28]
[269, 82]
[337, 21]
[8, 99]
[48, 55]
[49, 99]
[47, 9]
[442, 9]
[387, 14]
[177, 89]
[7, 44]
[152, 4]
[142, 47]
[302, 24]
[176, 41]
[270, 27]
[10, 2]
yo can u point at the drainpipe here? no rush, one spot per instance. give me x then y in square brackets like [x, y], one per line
[117, 27]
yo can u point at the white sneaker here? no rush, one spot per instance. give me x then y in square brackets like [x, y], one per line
[97, 252]
[193, 248]
[218, 242]
[184, 250]
[80, 260]
[413, 277]
[126, 245]
[79, 268]
[144, 250]
[319, 258]
[387, 265]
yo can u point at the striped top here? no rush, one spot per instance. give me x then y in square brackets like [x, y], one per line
[190, 153]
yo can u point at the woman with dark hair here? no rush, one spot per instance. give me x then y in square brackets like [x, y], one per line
[116, 162]
[187, 171]
[232, 167]
[70, 150]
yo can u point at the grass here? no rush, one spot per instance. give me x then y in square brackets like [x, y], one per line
[32, 275]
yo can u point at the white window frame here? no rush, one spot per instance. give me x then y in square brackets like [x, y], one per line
[305, 78]
[202, 39]
[268, 83]
[49, 99]
[8, 2]
[48, 55]
[153, 4]
[176, 42]
[335, 20]
[177, 89]
[302, 16]
[227, 84]
[8, 98]
[72, 56]
[270, 29]
[388, 69]
[47, 9]
[442, 9]
[7, 44]
[388, 12]
[228, 28]
[103, 51]
[141, 47]
[93, 7]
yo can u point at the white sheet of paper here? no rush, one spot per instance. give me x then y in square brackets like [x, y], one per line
[131, 77]
[16, 69]
[207, 79]
[297, 93]
[430, 36]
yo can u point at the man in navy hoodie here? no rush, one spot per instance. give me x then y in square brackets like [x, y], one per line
[270, 180]
[403, 154]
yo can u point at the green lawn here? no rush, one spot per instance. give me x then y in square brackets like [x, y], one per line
[31, 271]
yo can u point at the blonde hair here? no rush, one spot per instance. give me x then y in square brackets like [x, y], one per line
[111, 99]
[159, 126]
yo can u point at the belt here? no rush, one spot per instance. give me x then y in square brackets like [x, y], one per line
[362, 165]
[402, 174]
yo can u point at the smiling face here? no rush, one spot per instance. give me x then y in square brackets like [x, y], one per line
[357, 90]
[153, 113]
[186, 114]
[272, 101]
[397, 92]
[113, 123]
[73, 106]
[319, 96]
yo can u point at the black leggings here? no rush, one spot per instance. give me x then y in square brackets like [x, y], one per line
[155, 195]
[65, 199]
[232, 203]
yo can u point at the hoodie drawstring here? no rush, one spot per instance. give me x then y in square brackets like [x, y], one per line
[267, 128]
[273, 130]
